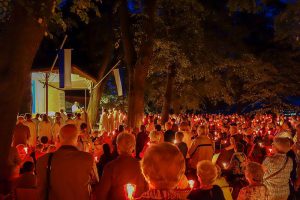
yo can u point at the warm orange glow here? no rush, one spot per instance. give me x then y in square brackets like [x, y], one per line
[130, 189]
[191, 183]
[26, 150]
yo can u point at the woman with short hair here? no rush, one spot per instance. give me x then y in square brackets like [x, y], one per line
[162, 166]
[256, 190]
[207, 174]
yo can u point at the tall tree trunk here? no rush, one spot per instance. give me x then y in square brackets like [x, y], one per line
[129, 56]
[93, 107]
[26, 103]
[95, 96]
[168, 94]
[19, 39]
[142, 65]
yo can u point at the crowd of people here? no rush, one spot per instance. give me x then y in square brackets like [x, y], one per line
[207, 156]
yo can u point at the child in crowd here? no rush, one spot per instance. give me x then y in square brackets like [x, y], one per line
[207, 174]
[255, 190]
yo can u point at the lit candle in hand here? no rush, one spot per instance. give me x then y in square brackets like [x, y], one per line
[129, 189]
[191, 184]
[26, 150]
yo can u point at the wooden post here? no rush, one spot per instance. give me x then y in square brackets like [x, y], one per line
[47, 92]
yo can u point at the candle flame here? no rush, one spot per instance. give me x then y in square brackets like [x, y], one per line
[191, 183]
[26, 149]
[130, 189]
[225, 165]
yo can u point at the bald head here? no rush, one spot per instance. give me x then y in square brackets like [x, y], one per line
[68, 134]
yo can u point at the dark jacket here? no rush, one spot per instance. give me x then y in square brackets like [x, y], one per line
[125, 169]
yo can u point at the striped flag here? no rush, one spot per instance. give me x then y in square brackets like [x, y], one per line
[65, 69]
[118, 82]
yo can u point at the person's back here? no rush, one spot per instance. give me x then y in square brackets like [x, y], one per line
[72, 171]
[32, 128]
[183, 148]
[125, 169]
[215, 193]
[201, 149]
[169, 136]
[27, 179]
[223, 184]
[278, 169]
[45, 130]
[21, 134]
[141, 139]
[116, 174]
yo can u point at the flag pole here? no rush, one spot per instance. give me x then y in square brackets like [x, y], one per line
[48, 73]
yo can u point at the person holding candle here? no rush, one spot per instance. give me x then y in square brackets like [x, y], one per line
[72, 171]
[201, 148]
[154, 137]
[278, 169]
[21, 133]
[207, 174]
[121, 171]
[163, 167]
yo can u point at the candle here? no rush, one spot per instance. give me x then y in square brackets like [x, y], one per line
[129, 189]
[225, 165]
[191, 184]
[26, 150]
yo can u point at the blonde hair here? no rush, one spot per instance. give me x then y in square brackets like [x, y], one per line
[154, 136]
[201, 130]
[184, 126]
[255, 172]
[179, 136]
[163, 165]
[207, 172]
[125, 143]
[282, 145]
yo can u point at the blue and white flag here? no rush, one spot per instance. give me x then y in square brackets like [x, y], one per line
[65, 68]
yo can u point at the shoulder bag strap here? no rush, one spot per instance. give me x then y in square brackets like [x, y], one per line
[48, 175]
[200, 145]
[274, 174]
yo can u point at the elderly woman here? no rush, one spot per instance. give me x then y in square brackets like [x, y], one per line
[255, 190]
[162, 166]
[201, 148]
[154, 139]
[278, 168]
[124, 169]
[207, 174]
